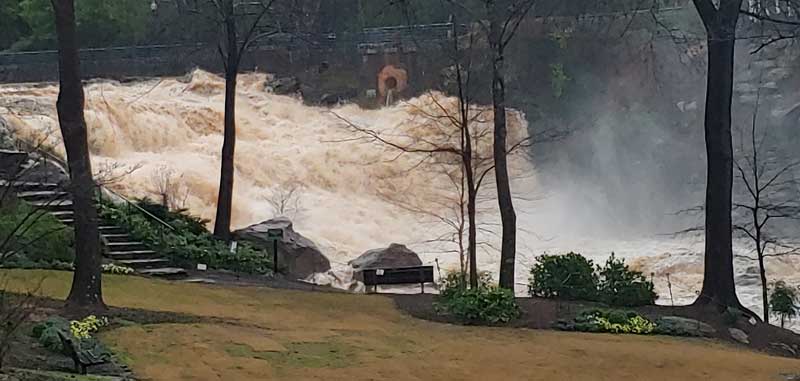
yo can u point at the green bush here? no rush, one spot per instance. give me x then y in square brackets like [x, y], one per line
[610, 321]
[453, 282]
[490, 304]
[568, 277]
[783, 301]
[47, 331]
[37, 239]
[621, 286]
[184, 246]
[573, 277]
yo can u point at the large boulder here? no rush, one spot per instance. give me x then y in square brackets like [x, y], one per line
[298, 256]
[395, 255]
[681, 326]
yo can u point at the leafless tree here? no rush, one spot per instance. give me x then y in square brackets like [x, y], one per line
[15, 310]
[169, 188]
[286, 198]
[771, 196]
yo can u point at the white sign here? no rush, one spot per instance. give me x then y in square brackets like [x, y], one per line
[202, 266]
[234, 245]
[379, 272]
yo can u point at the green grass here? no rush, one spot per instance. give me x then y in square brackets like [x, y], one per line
[267, 334]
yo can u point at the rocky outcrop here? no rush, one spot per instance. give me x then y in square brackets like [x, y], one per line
[395, 255]
[681, 326]
[298, 256]
[282, 86]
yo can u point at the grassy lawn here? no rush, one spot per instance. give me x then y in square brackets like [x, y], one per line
[289, 335]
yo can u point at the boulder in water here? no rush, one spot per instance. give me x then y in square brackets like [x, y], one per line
[298, 256]
[395, 255]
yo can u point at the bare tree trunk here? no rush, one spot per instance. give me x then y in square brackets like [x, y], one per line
[719, 288]
[86, 292]
[472, 199]
[764, 292]
[508, 216]
[222, 224]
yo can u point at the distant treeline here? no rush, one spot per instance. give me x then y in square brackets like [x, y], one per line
[28, 24]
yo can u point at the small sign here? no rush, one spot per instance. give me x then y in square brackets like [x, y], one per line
[202, 267]
[379, 272]
[275, 234]
[234, 245]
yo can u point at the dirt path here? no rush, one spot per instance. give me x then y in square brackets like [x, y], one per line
[270, 334]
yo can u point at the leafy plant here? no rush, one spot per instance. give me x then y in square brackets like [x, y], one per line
[30, 235]
[185, 246]
[621, 286]
[610, 321]
[83, 329]
[490, 304]
[783, 301]
[454, 282]
[569, 277]
[111, 268]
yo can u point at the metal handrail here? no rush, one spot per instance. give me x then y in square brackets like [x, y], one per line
[65, 166]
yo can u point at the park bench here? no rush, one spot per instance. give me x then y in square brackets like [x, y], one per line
[399, 275]
[82, 358]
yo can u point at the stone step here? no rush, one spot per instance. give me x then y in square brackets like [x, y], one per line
[53, 205]
[149, 263]
[126, 246]
[119, 237]
[24, 186]
[63, 214]
[42, 195]
[164, 272]
[130, 255]
[110, 229]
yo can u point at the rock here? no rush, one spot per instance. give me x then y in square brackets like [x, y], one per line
[330, 100]
[11, 163]
[297, 255]
[395, 255]
[282, 86]
[680, 326]
[786, 348]
[739, 335]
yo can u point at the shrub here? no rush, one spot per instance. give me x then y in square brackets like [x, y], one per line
[490, 304]
[783, 301]
[454, 283]
[34, 236]
[569, 277]
[111, 268]
[82, 330]
[610, 321]
[184, 246]
[621, 286]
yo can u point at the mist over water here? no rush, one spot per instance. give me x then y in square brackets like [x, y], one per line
[354, 194]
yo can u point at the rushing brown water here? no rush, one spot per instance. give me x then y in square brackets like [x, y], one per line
[351, 194]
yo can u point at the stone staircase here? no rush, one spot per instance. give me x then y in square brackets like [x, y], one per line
[119, 247]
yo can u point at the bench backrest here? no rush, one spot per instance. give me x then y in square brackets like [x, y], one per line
[68, 345]
[402, 275]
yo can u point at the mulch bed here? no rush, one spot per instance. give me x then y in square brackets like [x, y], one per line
[539, 313]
